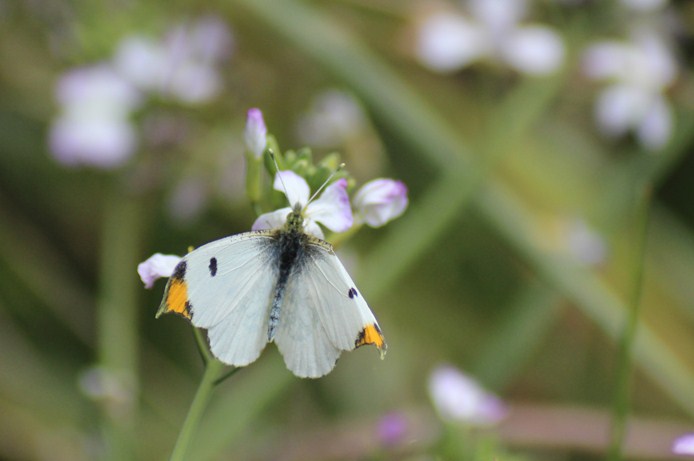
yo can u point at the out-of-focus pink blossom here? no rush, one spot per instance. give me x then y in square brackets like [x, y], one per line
[380, 201]
[157, 266]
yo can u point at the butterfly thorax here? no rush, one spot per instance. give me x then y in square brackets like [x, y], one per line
[291, 248]
[295, 219]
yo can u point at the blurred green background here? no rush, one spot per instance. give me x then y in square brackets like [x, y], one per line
[514, 262]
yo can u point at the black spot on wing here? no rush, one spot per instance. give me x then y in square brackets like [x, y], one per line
[213, 266]
[179, 271]
[352, 293]
[188, 310]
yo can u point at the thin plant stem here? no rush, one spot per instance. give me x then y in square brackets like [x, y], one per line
[624, 360]
[202, 396]
[117, 320]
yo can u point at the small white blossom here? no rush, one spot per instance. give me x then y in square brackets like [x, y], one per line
[332, 208]
[157, 266]
[380, 201]
[458, 397]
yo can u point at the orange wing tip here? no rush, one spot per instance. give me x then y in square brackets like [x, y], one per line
[176, 294]
[371, 335]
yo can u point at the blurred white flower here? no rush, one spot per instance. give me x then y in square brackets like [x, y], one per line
[255, 133]
[450, 40]
[333, 118]
[638, 73]
[684, 445]
[183, 66]
[585, 244]
[457, 397]
[93, 126]
[380, 201]
[157, 266]
[644, 5]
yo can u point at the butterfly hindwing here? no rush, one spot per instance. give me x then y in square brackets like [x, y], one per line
[323, 314]
[226, 287]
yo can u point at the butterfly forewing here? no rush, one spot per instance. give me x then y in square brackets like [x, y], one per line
[226, 288]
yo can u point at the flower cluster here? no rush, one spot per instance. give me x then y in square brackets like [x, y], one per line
[97, 102]
[448, 40]
[375, 204]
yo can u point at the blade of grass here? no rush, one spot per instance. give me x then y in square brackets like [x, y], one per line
[628, 333]
[519, 335]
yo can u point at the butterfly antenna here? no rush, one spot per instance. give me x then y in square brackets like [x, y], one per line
[327, 181]
[277, 167]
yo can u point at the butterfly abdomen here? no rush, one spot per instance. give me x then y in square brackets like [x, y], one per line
[291, 247]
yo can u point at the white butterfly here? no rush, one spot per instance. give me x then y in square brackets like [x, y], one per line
[280, 285]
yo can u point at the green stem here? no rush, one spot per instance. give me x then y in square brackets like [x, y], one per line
[117, 320]
[194, 416]
[626, 341]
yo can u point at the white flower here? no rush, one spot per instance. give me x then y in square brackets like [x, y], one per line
[93, 127]
[380, 200]
[458, 397]
[156, 267]
[644, 5]
[638, 74]
[182, 66]
[448, 41]
[684, 445]
[255, 134]
[331, 209]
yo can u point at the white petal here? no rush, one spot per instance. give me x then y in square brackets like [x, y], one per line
[157, 266]
[448, 42]
[534, 50]
[332, 208]
[498, 15]
[103, 143]
[143, 62]
[684, 445]
[620, 107]
[656, 126]
[310, 227]
[605, 60]
[297, 190]
[271, 220]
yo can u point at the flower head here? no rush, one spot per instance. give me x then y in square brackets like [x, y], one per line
[450, 40]
[157, 266]
[458, 397]
[380, 201]
[331, 209]
[684, 445]
[255, 134]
